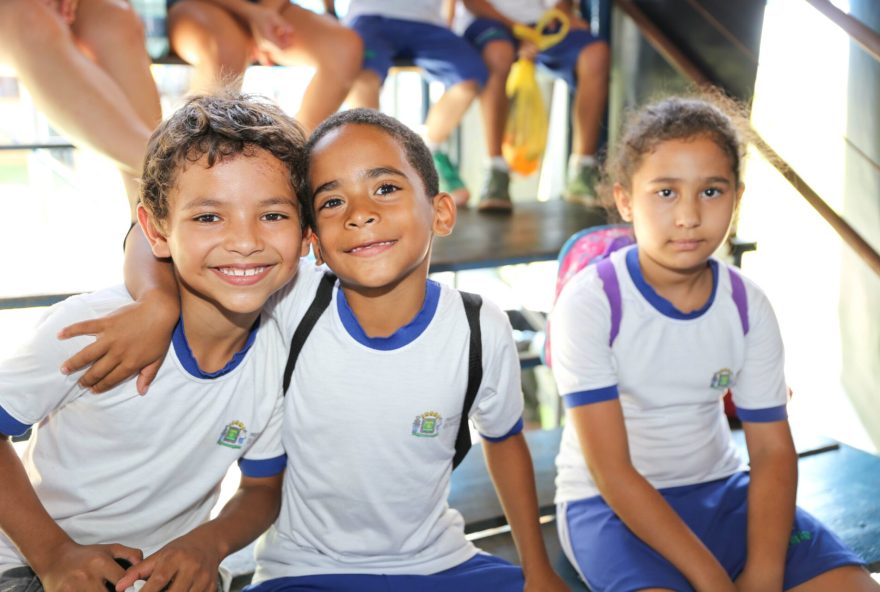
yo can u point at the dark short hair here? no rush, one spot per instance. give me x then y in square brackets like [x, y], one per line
[217, 127]
[417, 153]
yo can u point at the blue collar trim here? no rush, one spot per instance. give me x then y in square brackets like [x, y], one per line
[403, 336]
[659, 302]
[185, 355]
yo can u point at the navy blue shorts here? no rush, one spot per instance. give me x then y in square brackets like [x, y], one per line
[560, 59]
[610, 557]
[478, 574]
[443, 55]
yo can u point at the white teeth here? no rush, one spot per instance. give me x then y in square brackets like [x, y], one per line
[241, 272]
[383, 243]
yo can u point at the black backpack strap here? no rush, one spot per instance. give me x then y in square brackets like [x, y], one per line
[322, 300]
[472, 304]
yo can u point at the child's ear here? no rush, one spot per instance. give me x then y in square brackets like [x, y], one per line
[316, 247]
[444, 214]
[158, 240]
[306, 241]
[623, 201]
[741, 187]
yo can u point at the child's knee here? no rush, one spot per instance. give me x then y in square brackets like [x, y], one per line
[499, 57]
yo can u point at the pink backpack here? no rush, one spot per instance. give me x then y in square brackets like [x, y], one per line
[589, 245]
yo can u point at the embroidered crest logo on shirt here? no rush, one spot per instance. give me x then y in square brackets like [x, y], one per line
[234, 435]
[722, 379]
[427, 425]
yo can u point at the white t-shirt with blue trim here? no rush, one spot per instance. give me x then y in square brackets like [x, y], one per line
[520, 11]
[370, 428]
[669, 370]
[139, 470]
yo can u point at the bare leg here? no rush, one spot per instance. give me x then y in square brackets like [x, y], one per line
[215, 42]
[335, 52]
[111, 33]
[499, 57]
[365, 91]
[446, 113]
[75, 93]
[590, 97]
[851, 578]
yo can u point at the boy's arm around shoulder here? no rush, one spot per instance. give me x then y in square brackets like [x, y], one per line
[132, 340]
[49, 551]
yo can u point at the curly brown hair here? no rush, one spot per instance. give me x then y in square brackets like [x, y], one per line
[217, 127]
[707, 112]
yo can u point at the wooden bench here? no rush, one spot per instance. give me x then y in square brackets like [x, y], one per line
[838, 484]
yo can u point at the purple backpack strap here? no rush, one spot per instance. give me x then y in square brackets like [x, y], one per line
[612, 290]
[738, 289]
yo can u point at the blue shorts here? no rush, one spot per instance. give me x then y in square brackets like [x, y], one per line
[478, 574]
[443, 55]
[610, 557]
[560, 59]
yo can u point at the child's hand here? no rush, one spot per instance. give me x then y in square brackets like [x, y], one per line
[546, 581]
[271, 31]
[192, 563]
[130, 341]
[86, 567]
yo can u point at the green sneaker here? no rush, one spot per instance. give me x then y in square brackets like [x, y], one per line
[495, 196]
[450, 181]
[581, 186]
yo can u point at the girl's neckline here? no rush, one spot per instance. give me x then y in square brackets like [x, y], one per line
[661, 304]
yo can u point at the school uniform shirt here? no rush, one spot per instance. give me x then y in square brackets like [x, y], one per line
[369, 429]
[669, 371]
[520, 11]
[423, 11]
[139, 470]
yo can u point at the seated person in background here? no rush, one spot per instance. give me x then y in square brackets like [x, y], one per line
[221, 38]
[580, 59]
[365, 493]
[418, 30]
[121, 475]
[86, 66]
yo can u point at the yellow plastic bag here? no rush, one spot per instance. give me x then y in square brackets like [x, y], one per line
[525, 132]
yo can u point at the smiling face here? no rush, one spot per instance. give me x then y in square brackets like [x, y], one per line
[681, 204]
[374, 221]
[233, 231]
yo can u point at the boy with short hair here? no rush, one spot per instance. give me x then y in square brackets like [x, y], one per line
[365, 494]
[124, 476]
[418, 30]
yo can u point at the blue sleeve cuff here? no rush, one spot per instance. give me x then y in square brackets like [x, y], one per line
[517, 428]
[587, 397]
[765, 415]
[11, 426]
[267, 467]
